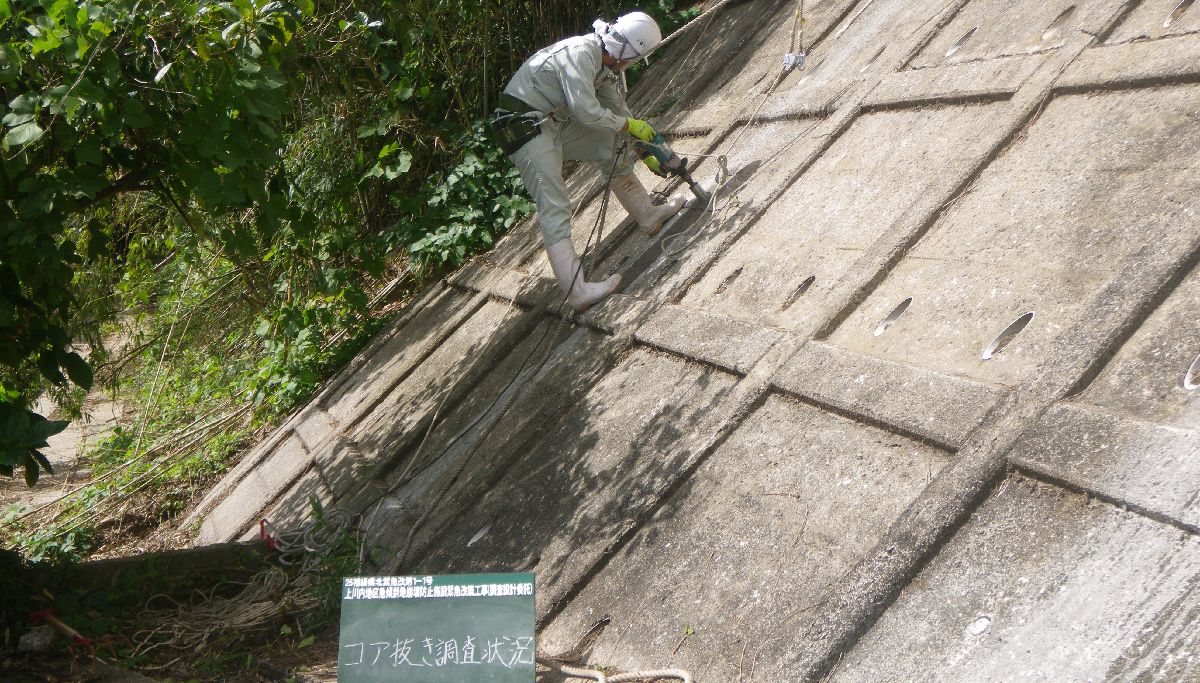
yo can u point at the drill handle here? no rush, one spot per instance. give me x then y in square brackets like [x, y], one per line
[657, 148]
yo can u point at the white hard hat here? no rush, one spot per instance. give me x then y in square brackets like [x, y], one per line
[631, 37]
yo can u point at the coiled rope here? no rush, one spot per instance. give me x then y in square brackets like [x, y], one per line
[269, 595]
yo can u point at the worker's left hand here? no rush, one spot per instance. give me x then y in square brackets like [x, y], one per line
[655, 167]
[640, 129]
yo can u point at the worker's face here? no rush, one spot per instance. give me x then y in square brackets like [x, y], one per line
[616, 65]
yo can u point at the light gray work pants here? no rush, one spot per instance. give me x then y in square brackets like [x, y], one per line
[540, 162]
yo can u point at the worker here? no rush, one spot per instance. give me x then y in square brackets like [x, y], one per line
[567, 102]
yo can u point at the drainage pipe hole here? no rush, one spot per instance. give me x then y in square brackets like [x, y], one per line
[1177, 13]
[1191, 381]
[1004, 338]
[961, 41]
[1052, 30]
[893, 316]
[479, 534]
[804, 286]
[729, 280]
[872, 60]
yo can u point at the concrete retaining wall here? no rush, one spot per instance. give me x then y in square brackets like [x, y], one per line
[818, 427]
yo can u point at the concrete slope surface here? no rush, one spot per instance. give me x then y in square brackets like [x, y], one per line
[915, 398]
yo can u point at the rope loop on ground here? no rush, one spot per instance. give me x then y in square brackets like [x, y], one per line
[268, 595]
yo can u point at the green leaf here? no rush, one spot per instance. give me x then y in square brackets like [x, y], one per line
[31, 472]
[135, 114]
[88, 151]
[388, 149]
[78, 370]
[5, 9]
[403, 163]
[272, 79]
[13, 119]
[22, 135]
[308, 640]
[49, 368]
[45, 462]
[41, 429]
[162, 73]
[98, 243]
[99, 29]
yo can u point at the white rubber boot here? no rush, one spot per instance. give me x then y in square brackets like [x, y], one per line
[580, 293]
[636, 200]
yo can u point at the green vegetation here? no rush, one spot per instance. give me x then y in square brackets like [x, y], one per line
[228, 188]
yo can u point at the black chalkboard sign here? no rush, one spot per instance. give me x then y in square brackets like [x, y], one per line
[465, 628]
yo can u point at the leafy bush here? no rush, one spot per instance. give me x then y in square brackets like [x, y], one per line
[466, 209]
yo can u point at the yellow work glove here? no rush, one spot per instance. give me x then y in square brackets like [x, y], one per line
[640, 129]
[655, 167]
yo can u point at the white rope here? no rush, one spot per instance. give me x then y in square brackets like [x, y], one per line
[628, 677]
[686, 27]
[651, 675]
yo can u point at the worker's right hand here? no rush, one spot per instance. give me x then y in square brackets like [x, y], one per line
[640, 129]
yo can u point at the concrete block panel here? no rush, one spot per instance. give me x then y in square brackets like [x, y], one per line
[724, 342]
[517, 246]
[1151, 468]
[1154, 376]
[696, 64]
[1029, 236]
[578, 490]
[757, 159]
[619, 257]
[1156, 61]
[776, 515]
[504, 283]
[394, 360]
[315, 428]
[247, 464]
[255, 491]
[294, 508]
[1044, 585]
[1132, 436]
[825, 220]
[446, 442]
[344, 465]
[1155, 19]
[986, 29]
[990, 79]
[443, 378]
[556, 377]
[938, 408]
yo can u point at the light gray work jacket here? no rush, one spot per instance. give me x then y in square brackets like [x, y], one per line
[569, 79]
